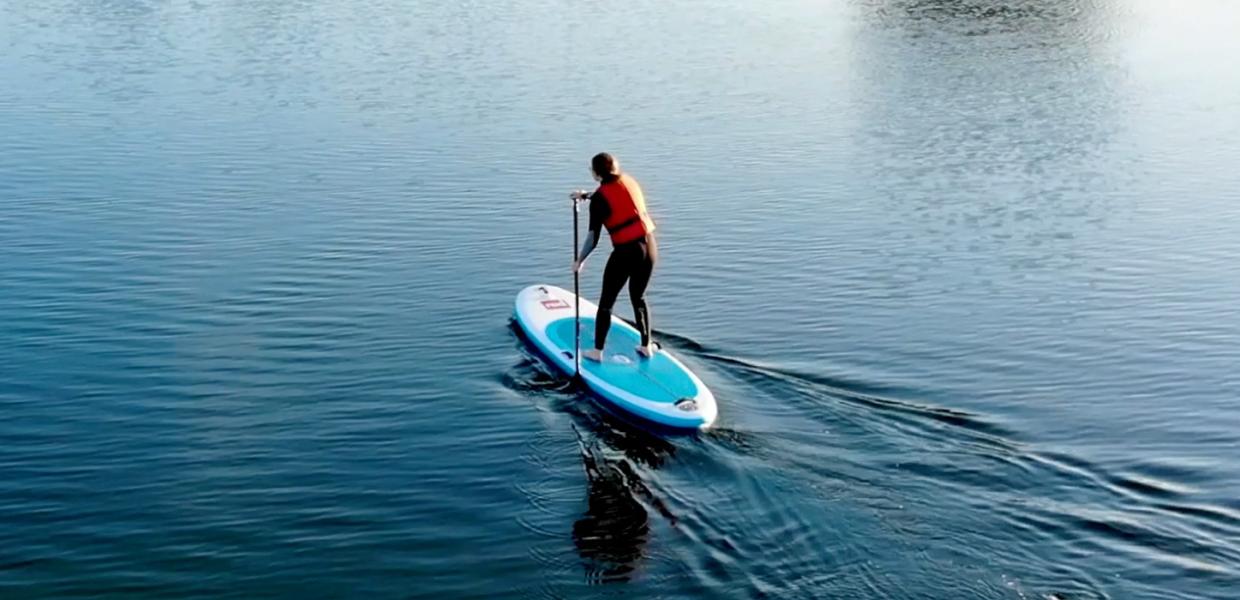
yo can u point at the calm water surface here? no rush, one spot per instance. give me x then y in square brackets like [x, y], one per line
[963, 274]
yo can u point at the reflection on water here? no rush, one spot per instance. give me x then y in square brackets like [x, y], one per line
[987, 127]
[611, 535]
[978, 15]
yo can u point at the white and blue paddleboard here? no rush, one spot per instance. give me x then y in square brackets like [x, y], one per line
[658, 389]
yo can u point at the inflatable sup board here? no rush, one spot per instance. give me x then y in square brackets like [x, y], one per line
[658, 389]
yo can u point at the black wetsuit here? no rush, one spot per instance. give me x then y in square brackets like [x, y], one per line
[631, 262]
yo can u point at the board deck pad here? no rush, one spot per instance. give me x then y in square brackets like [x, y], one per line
[656, 378]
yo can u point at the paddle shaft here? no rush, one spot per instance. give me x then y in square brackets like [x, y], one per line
[576, 299]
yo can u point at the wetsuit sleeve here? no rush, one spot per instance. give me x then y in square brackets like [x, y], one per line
[598, 213]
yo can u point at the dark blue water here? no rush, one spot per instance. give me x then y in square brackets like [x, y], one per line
[963, 274]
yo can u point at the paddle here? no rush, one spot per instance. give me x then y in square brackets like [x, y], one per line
[576, 295]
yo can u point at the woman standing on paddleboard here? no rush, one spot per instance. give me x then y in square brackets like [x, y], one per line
[618, 205]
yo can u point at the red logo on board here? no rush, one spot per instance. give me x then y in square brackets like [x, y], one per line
[554, 304]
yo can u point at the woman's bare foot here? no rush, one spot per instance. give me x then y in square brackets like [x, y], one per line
[648, 350]
[594, 355]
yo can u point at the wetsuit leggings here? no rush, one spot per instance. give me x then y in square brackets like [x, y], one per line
[632, 262]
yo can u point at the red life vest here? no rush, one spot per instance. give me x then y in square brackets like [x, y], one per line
[627, 220]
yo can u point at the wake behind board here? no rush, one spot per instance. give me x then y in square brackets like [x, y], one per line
[658, 389]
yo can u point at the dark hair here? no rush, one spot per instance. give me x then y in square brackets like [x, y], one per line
[605, 165]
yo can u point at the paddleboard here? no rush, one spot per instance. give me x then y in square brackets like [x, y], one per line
[659, 389]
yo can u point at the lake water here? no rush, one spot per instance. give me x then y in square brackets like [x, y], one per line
[964, 276]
